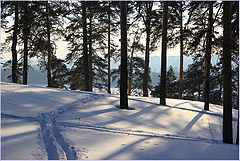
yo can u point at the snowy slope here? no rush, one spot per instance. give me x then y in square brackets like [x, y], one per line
[44, 123]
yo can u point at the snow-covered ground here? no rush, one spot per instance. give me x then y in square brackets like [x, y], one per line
[45, 123]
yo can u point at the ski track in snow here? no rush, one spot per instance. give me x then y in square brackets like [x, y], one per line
[56, 146]
[140, 133]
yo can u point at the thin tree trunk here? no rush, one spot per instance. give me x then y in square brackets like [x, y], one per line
[181, 55]
[131, 66]
[14, 46]
[199, 89]
[164, 55]
[109, 49]
[146, 65]
[130, 74]
[207, 63]
[49, 47]
[227, 82]
[124, 72]
[90, 48]
[85, 50]
[25, 41]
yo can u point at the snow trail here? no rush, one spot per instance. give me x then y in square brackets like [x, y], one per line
[56, 146]
[52, 147]
[140, 133]
[20, 117]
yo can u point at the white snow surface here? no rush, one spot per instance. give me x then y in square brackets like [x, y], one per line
[46, 123]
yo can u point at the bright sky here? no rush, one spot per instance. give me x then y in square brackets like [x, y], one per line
[62, 49]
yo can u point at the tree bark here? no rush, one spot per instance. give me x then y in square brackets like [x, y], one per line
[109, 49]
[124, 72]
[14, 46]
[25, 41]
[146, 65]
[49, 47]
[181, 54]
[90, 48]
[227, 82]
[164, 55]
[131, 66]
[207, 58]
[237, 140]
[85, 49]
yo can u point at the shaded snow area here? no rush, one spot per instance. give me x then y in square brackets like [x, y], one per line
[45, 123]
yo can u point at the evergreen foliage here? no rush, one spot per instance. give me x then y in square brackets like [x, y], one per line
[171, 85]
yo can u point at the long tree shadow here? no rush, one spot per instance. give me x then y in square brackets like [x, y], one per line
[181, 108]
[191, 123]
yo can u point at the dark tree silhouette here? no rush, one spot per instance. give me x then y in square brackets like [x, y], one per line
[14, 45]
[164, 54]
[237, 139]
[124, 72]
[227, 76]
[90, 45]
[181, 53]
[131, 64]
[109, 48]
[26, 28]
[147, 51]
[207, 62]
[85, 50]
[48, 47]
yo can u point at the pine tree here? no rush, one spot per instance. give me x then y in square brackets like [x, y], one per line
[26, 28]
[95, 43]
[60, 73]
[109, 47]
[164, 54]
[171, 85]
[207, 62]
[85, 49]
[148, 6]
[151, 21]
[135, 48]
[181, 52]
[227, 82]
[48, 46]
[193, 79]
[124, 73]
[237, 140]
[14, 45]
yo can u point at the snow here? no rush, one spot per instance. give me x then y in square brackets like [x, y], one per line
[46, 123]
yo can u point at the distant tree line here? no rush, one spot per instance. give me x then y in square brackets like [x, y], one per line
[92, 28]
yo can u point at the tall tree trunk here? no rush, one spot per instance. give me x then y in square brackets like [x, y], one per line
[49, 47]
[227, 76]
[124, 72]
[181, 54]
[90, 48]
[237, 140]
[25, 41]
[85, 50]
[14, 46]
[109, 48]
[131, 66]
[164, 55]
[207, 58]
[146, 65]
